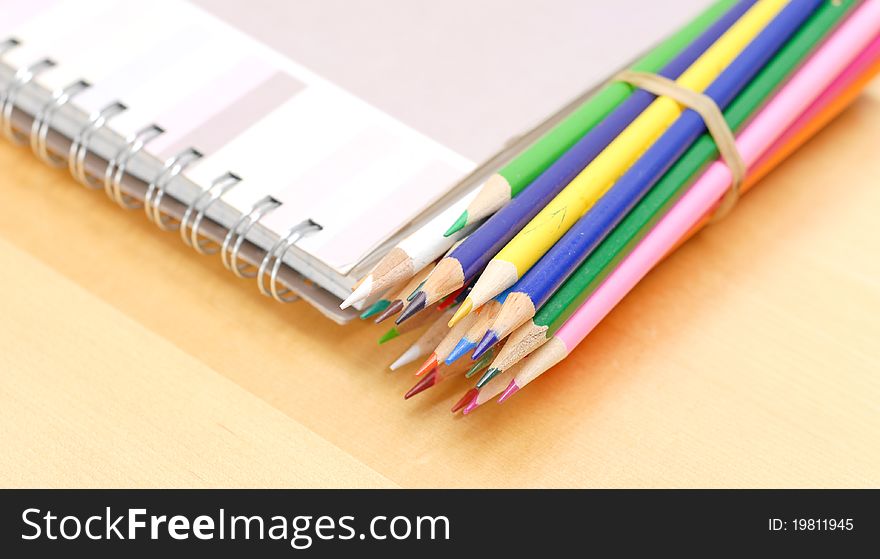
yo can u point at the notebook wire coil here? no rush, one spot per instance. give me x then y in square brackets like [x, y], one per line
[235, 237]
[274, 258]
[156, 189]
[43, 120]
[7, 100]
[116, 167]
[79, 147]
[193, 217]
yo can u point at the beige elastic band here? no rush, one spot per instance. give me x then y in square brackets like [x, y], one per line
[712, 116]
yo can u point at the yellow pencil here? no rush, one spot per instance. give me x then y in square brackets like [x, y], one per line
[562, 212]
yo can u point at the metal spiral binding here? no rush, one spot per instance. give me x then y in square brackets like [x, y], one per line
[7, 101]
[275, 257]
[43, 119]
[191, 222]
[79, 147]
[116, 167]
[237, 233]
[156, 190]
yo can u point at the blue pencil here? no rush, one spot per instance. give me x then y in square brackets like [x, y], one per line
[543, 279]
[471, 256]
[485, 319]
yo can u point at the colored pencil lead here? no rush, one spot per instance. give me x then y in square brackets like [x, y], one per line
[463, 346]
[458, 225]
[484, 318]
[495, 279]
[414, 291]
[375, 308]
[511, 389]
[446, 277]
[429, 364]
[463, 310]
[397, 300]
[487, 376]
[521, 342]
[392, 309]
[417, 304]
[479, 365]
[489, 340]
[389, 335]
[468, 397]
[494, 387]
[394, 268]
[361, 292]
[408, 356]
[426, 342]
[494, 194]
[423, 384]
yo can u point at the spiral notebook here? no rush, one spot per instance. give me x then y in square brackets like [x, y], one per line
[299, 140]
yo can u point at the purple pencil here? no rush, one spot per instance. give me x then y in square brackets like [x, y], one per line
[472, 255]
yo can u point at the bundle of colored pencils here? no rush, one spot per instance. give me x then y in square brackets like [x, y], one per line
[550, 243]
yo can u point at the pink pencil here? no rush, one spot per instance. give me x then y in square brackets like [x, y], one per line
[854, 46]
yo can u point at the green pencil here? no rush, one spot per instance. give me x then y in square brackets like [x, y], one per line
[666, 192]
[514, 177]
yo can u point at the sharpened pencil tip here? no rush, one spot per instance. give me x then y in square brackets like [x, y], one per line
[463, 310]
[359, 294]
[458, 225]
[463, 346]
[375, 308]
[423, 384]
[415, 291]
[511, 389]
[468, 397]
[406, 358]
[392, 309]
[429, 365]
[417, 304]
[490, 374]
[389, 335]
[489, 340]
[472, 405]
[478, 366]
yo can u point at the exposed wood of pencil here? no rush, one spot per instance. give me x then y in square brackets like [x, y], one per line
[492, 389]
[426, 342]
[493, 196]
[398, 300]
[521, 342]
[415, 323]
[539, 361]
[498, 276]
[395, 267]
[485, 317]
[452, 336]
[516, 310]
[446, 277]
[436, 376]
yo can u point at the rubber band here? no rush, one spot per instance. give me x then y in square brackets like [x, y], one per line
[711, 114]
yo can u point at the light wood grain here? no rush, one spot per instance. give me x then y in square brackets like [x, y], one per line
[90, 397]
[748, 358]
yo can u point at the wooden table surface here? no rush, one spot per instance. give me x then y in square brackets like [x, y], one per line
[751, 357]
